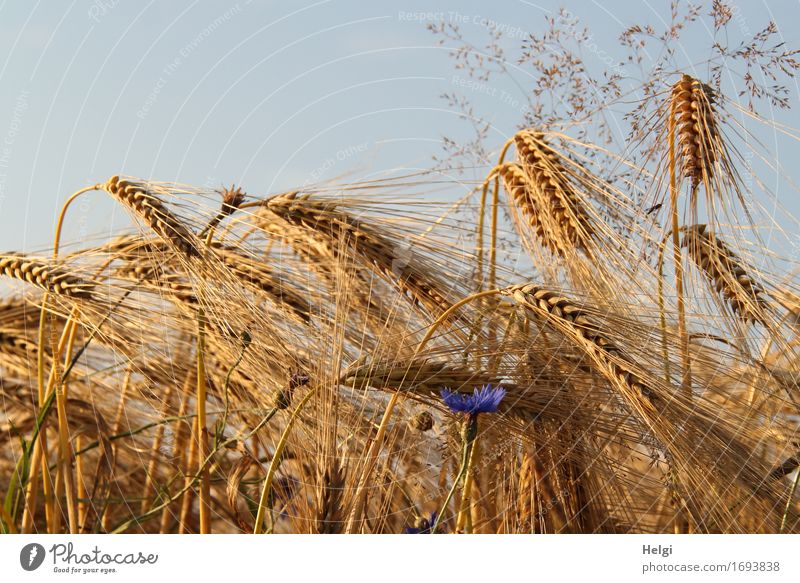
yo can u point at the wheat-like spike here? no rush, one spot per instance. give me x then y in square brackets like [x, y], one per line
[726, 273]
[45, 275]
[15, 343]
[320, 256]
[518, 187]
[248, 270]
[552, 507]
[555, 306]
[330, 516]
[324, 217]
[258, 275]
[693, 103]
[150, 208]
[419, 375]
[525, 502]
[557, 192]
[314, 248]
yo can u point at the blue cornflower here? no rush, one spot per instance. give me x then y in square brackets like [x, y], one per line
[483, 400]
[422, 526]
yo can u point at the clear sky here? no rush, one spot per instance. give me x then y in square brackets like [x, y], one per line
[269, 95]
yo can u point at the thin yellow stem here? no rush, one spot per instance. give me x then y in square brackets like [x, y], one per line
[65, 449]
[155, 448]
[372, 456]
[7, 520]
[202, 428]
[662, 310]
[41, 443]
[686, 377]
[202, 422]
[39, 460]
[481, 221]
[105, 517]
[276, 460]
[178, 448]
[186, 500]
[31, 491]
[82, 495]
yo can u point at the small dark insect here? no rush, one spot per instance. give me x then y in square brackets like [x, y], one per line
[284, 397]
[422, 421]
[246, 338]
[654, 208]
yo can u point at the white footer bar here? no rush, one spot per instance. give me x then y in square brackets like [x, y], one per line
[402, 558]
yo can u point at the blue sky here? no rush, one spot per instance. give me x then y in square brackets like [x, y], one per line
[269, 95]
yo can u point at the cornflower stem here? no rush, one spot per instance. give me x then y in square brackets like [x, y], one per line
[464, 521]
[469, 434]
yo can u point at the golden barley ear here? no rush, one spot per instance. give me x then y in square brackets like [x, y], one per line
[330, 516]
[46, 275]
[518, 187]
[152, 210]
[556, 193]
[726, 274]
[365, 240]
[260, 276]
[565, 312]
[698, 134]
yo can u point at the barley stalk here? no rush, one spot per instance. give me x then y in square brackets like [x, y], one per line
[677, 104]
